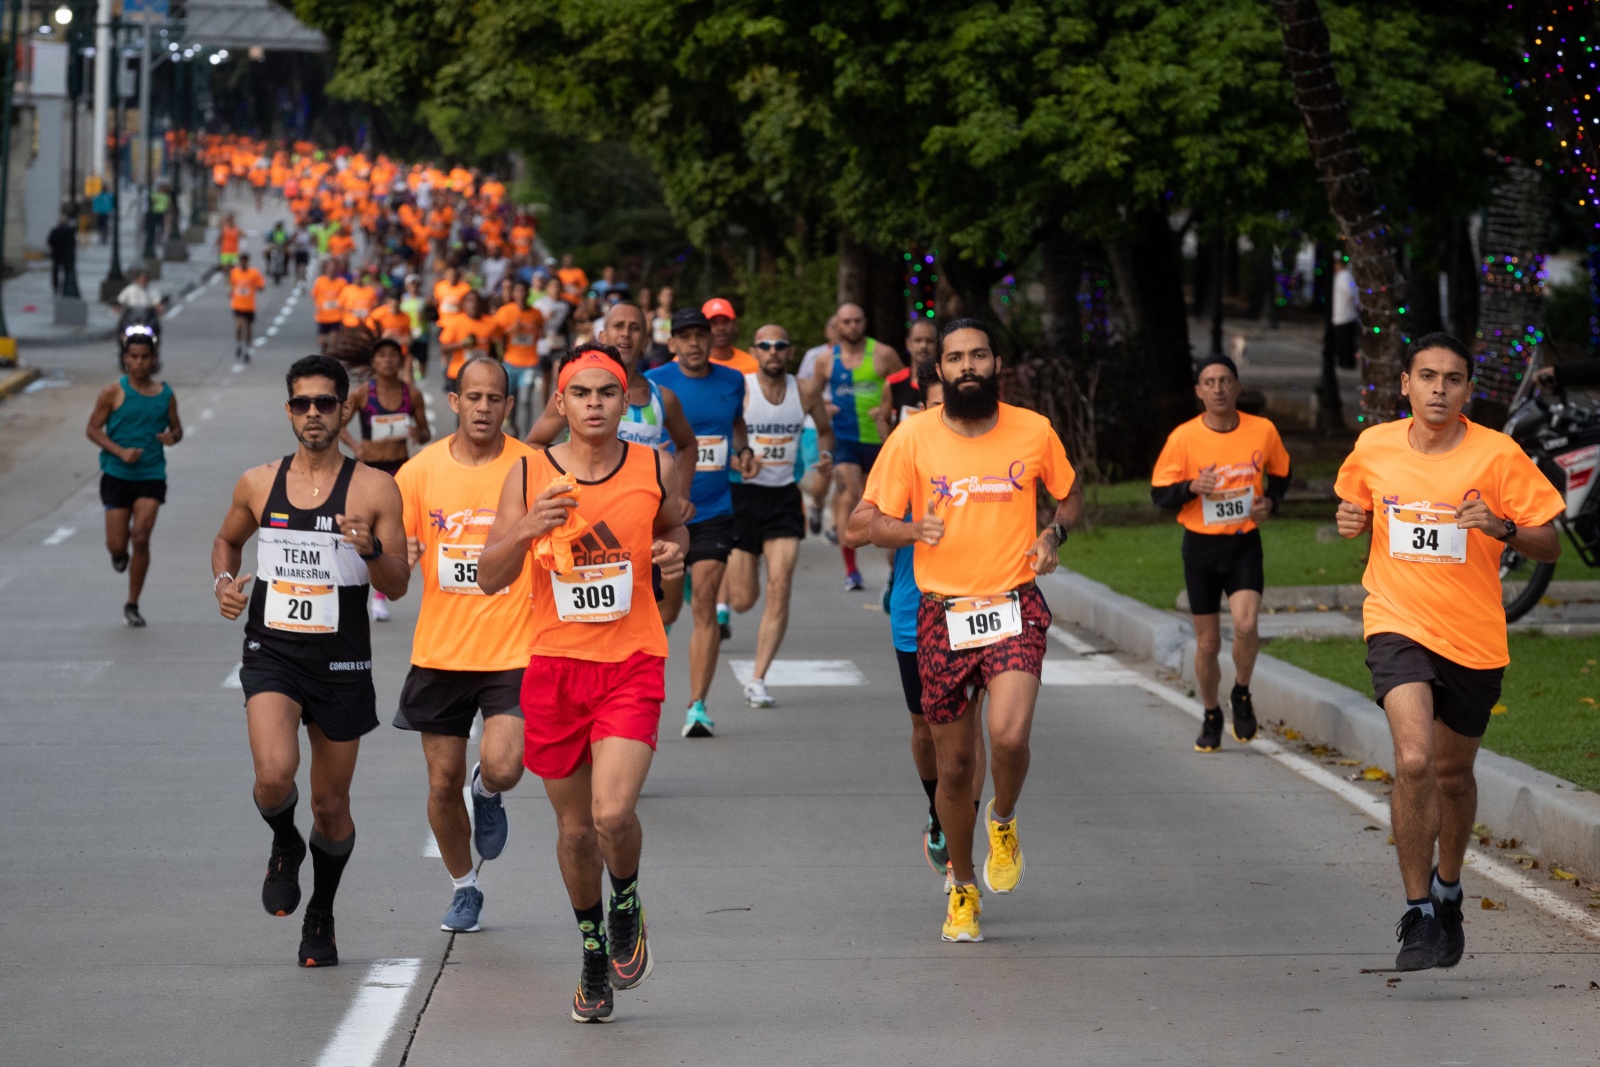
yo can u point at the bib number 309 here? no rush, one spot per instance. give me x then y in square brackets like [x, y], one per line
[599, 593]
[976, 621]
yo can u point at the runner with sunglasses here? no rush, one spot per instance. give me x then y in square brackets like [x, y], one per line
[325, 527]
[768, 515]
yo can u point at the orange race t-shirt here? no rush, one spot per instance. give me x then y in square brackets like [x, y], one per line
[229, 241]
[243, 284]
[391, 324]
[985, 488]
[573, 283]
[325, 299]
[357, 302]
[455, 328]
[1427, 579]
[621, 512]
[738, 359]
[341, 244]
[449, 508]
[521, 328]
[449, 297]
[1243, 456]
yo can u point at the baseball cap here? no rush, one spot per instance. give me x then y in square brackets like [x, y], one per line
[684, 318]
[717, 306]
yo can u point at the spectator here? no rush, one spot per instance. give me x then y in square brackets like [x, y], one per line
[101, 205]
[1345, 318]
[63, 244]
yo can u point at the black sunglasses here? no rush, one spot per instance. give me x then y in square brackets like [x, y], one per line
[773, 346]
[301, 405]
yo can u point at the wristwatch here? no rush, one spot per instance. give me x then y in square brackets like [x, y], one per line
[1511, 530]
[1060, 531]
[377, 550]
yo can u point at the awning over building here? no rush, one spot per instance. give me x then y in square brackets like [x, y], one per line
[243, 24]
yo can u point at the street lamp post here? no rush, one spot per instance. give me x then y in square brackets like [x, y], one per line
[114, 280]
[8, 344]
[70, 309]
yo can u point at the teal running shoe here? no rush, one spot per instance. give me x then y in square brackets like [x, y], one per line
[934, 847]
[697, 723]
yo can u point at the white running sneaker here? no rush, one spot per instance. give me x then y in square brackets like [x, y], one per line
[380, 609]
[756, 695]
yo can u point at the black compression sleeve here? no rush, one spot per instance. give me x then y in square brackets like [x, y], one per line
[1277, 486]
[1171, 497]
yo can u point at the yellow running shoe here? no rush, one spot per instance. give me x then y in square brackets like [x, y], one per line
[1002, 871]
[961, 915]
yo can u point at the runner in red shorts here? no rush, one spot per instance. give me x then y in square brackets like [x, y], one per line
[969, 473]
[601, 518]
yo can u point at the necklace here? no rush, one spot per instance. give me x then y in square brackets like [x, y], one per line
[316, 490]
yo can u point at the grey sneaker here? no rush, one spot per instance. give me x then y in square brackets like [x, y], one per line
[465, 907]
[490, 827]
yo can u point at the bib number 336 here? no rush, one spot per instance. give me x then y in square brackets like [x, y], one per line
[976, 621]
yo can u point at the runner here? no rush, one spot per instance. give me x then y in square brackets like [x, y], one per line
[417, 306]
[228, 239]
[854, 370]
[1223, 472]
[327, 313]
[244, 282]
[450, 291]
[360, 298]
[465, 335]
[813, 486]
[600, 515]
[1453, 495]
[321, 521]
[133, 420]
[724, 331]
[968, 473]
[469, 650]
[521, 326]
[768, 517]
[905, 385]
[713, 402]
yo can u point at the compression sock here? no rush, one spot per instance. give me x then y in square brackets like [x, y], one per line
[478, 788]
[930, 786]
[623, 888]
[849, 555]
[327, 862]
[281, 819]
[1426, 904]
[592, 924]
[995, 817]
[466, 881]
[1444, 890]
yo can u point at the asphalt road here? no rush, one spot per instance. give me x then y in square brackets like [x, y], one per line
[1177, 908]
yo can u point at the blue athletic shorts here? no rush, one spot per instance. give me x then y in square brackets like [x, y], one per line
[809, 455]
[863, 456]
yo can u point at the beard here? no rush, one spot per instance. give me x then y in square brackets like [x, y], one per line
[968, 404]
[329, 438]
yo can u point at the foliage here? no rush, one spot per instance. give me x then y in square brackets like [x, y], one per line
[797, 294]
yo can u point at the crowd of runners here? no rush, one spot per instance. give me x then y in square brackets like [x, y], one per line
[605, 463]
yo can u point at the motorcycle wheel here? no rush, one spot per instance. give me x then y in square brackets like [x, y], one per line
[1520, 587]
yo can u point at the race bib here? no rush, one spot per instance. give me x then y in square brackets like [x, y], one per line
[976, 621]
[458, 570]
[301, 608]
[908, 410]
[243, 290]
[331, 305]
[1227, 509]
[599, 593]
[390, 427]
[523, 339]
[1426, 535]
[777, 451]
[712, 454]
[359, 312]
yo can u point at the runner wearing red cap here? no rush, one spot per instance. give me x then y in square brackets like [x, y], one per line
[724, 331]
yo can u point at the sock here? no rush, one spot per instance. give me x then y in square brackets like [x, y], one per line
[849, 555]
[478, 788]
[592, 923]
[281, 819]
[327, 863]
[930, 786]
[996, 818]
[622, 888]
[1426, 904]
[1445, 890]
[722, 613]
[466, 881]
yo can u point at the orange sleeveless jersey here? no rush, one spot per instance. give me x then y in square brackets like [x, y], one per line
[621, 512]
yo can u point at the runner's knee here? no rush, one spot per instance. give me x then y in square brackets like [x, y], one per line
[1456, 781]
[330, 807]
[612, 820]
[1413, 763]
[1208, 644]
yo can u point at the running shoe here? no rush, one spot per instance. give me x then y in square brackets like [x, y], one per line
[722, 624]
[490, 827]
[1453, 939]
[631, 958]
[1421, 940]
[961, 915]
[831, 535]
[935, 849]
[696, 723]
[1002, 871]
[1244, 714]
[280, 892]
[853, 582]
[380, 609]
[120, 563]
[131, 616]
[318, 947]
[756, 695]
[814, 520]
[594, 1000]
[1210, 739]
[465, 907]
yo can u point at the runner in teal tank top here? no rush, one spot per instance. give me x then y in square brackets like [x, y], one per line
[133, 420]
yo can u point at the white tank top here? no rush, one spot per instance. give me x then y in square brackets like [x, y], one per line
[774, 430]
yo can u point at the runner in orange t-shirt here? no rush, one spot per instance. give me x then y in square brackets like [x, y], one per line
[244, 282]
[326, 312]
[228, 243]
[596, 675]
[466, 335]
[724, 331]
[968, 474]
[359, 299]
[450, 291]
[521, 326]
[574, 282]
[1450, 496]
[1223, 472]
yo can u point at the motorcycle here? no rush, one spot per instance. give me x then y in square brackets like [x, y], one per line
[277, 262]
[1561, 434]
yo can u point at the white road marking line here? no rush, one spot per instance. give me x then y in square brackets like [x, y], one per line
[238, 368]
[1084, 672]
[258, 342]
[430, 847]
[207, 414]
[61, 674]
[174, 313]
[802, 672]
[232, 680]
[1486, 864]
[272, 331]
[60, 535]
[370, 1019]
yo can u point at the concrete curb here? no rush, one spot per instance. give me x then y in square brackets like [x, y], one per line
[17, 379]
[1550, 817]
[89, 335]
[1351, 597]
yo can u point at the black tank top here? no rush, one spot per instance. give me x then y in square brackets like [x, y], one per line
[309, 604]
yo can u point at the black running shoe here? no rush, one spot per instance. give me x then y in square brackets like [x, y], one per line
[1453, 939]
[318, 948]
[280, 893]
[594, 1000]
[1210, 739]
[631, 960]
[1421, 940]
[1244, 714]
[120, 563]
[130, 615]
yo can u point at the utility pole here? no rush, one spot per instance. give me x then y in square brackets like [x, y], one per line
[114, 280]
[8, 344]
[104, 61]
[70, 308]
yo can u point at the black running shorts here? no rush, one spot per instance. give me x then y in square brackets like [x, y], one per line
[910, 680]
[445, 702]
[118, 494]
[1217, 564]
[762, 513]
[343, 711]
[711, 539]
[1462, 696]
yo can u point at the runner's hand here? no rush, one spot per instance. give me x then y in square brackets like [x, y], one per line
[1474, 514]
[420, 435]
[547, 511]
[668, 555]
[1544, 376]
[413, 551]
[930, 528]
[232, 597]
[130, 456]
[688, 511]
[357, 532]
[1045, 555]
[168, 436]
[1351, 519]
[824, 466]
[747, 464]
[1261, 509]
[1206, 483]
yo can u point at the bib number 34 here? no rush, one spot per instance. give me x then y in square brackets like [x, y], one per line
[976, 621]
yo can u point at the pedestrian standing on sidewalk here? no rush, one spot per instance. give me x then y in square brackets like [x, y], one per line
[63, 244]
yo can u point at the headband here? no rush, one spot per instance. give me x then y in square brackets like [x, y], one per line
[588, 361]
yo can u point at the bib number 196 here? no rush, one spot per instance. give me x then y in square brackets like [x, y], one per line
[977, 621]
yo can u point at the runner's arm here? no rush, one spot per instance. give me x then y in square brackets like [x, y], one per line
[1542, 544]
[869, 525]
[817, 408]
[1171, 497]
[683, 440]
[420, 433]
[227, 548]
[390, 573]
[547, 427]
[885, 361]
[741, 444]
[516, 527]
[352, 404]
[174, 431]
[670, 535]
[96, 430]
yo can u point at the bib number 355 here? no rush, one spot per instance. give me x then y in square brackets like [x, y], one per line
[976, 621]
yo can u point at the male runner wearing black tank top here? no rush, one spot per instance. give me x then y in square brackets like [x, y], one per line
[325, 526]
